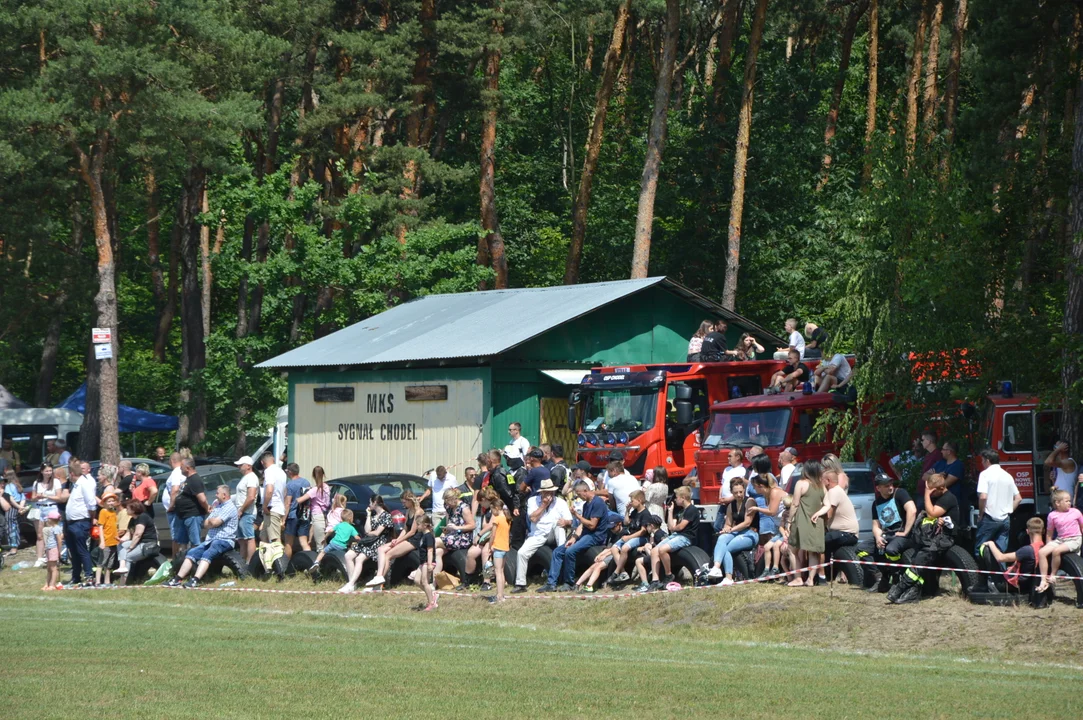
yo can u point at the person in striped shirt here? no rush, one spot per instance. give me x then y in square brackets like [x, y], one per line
[221, 526]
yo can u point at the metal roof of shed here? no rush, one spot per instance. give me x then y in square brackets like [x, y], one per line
[436, 327]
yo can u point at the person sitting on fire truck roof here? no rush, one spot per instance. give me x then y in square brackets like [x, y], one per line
[792, 376]
[817, 341]
[714, 344]
[695, 345]
[797, 342]
[832, 375]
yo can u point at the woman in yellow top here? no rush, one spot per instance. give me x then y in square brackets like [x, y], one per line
[501, 544]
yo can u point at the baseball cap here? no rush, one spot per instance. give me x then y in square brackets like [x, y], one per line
[616, 455]
[245, 460]
[883, 479]
[583, 465]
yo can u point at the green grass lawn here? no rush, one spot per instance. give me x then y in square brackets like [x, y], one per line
[745, 652]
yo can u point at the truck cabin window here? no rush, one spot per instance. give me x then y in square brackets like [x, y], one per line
[624, 409]
[767, 428]
[1018, 432]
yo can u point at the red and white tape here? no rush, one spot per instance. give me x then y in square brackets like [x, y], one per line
[948, 569]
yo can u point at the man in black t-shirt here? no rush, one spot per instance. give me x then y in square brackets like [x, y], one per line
[792, 376]
[893, 515]
[933, 536]
[190, 505]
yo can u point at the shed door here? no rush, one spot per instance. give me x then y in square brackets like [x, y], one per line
[554, 425]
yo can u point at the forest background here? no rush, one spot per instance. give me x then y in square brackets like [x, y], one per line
[222, 180]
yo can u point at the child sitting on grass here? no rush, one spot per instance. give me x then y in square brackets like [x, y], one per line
[423, 574]
[107, 521]
[53, 537]
[1066, 522]
[340, 540]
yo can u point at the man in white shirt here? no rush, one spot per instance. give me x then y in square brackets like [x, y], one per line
[832, 375]
[81, 508]
[245, 499]
[736, 469]
[548, 513]
[796, 339]
[175, 480]
[516, 450]
[998, 497]
[274, 509]
[620, 484]
[787, 460]
[439, 480]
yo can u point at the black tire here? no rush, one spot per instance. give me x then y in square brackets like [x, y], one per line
[853, 573]
[761, 564]
[1071, 565]
[455, 563]
[232, 561]
[28, 533]
[255, 567]
[143, 569]
[401, 567]
[690, 559]
[302, 560]
[995, 582]
[964, 565]
[537, 566]
[333, 566]
[744, 566]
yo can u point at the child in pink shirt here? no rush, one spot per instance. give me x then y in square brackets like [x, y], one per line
[1066, 522]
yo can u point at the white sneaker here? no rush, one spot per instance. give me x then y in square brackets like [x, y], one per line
[41, 562]
[715, 573]
[727, 581]
[378, 580]
[346, 589]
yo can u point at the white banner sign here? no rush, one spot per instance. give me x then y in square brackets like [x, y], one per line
[103, 351]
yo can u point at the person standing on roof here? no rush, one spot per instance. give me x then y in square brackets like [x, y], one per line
[516, 450]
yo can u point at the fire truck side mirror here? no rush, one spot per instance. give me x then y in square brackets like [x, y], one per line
[684, 412]
[572, 418]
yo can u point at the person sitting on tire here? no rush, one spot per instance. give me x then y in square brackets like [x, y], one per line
[378, 528]
[655, 535]
[683, 524]
[548, 514]
[221, 526]
[591, 531]
[458, 533]
[738, 530]
[893, 515]
[602, 560]
[634, 534]
[934, 535]
[407, 541]
[1066, 522]
[1023, 561]
[768, 508]
[842, 526]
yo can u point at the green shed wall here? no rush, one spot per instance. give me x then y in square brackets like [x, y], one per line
[649, 327]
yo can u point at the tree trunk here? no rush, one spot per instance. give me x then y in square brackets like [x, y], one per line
[610, 67]
[656, 139]
[421, 113]
[153, 235]
[90, 432]
[492, 238]
[740, 160]
[913, 79]
[731, 23]
[840, 83]
[92, 170]
[205, 256]
[951, 82]
[932, 68]
[49, 351]
[870, 104]
[193, 348]
[1071, 372]
[269, 165]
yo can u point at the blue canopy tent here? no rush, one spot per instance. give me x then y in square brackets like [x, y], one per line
[131, 419]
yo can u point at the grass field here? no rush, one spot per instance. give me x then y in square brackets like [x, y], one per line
[752, 652]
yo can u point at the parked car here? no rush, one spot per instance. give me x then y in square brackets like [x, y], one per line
[862, 493]
[156, 467]
[212, 476]
[359, 490]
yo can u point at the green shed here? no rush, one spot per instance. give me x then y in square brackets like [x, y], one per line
[436, 380]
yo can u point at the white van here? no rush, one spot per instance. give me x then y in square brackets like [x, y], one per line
[30, 428]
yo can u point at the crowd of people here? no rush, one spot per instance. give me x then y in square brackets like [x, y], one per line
[709, 344]
[792, 519]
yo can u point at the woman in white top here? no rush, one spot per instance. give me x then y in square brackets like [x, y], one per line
[46, 488]
[695, 344]
[656, 490]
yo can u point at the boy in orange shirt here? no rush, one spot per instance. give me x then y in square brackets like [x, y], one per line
[501, 544]
[107, 521]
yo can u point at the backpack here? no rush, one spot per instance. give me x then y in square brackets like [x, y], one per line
[304, 511]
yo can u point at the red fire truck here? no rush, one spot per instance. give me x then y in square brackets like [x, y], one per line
[652, 414]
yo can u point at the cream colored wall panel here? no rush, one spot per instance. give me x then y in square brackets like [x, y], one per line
[382, 431]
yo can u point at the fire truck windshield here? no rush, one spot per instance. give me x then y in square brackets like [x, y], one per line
[766, 428]
[621, 409]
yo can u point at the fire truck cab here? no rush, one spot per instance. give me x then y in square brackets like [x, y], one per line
[1023, 432]
[652, 414]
